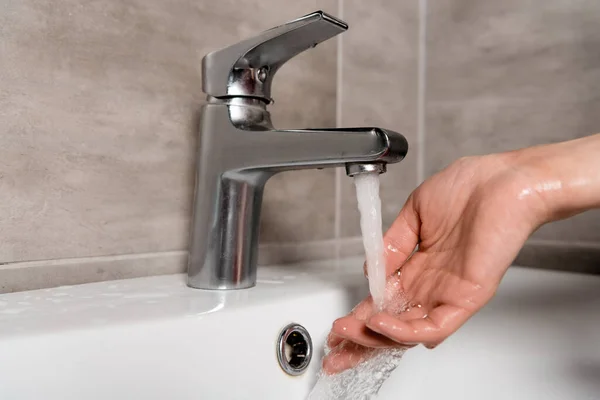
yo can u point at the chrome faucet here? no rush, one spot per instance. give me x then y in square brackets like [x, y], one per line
[240, 149]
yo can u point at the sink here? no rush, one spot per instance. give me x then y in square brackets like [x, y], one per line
[154, 338]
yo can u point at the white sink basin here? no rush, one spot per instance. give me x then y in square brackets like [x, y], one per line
[153, 338]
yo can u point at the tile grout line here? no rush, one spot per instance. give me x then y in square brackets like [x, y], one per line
[337, 225]
[93, 259]
[266, 246]
[421, 87]
[562, 243]
[161, 254]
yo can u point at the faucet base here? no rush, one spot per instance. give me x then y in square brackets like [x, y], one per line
[224, 287]
[230, 246]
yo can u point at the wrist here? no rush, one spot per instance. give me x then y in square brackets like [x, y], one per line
[520, 182]
[562, 179]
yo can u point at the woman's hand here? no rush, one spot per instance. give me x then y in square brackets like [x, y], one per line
[469, 222]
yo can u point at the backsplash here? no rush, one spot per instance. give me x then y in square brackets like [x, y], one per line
[379, 81]
[99, 107]
[465, 77]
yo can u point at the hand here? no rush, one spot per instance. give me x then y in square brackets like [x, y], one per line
[469, 222]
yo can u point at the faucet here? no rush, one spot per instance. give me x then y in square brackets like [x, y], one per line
[240, 149]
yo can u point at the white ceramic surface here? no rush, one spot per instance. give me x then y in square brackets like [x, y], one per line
[153, 338]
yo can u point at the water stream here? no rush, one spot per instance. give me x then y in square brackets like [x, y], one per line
[369, 205]
[364, 380]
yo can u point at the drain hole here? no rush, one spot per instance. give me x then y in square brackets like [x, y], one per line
[294, 349]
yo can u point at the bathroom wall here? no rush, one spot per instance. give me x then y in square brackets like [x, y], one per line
[467, 77]
[99, 108]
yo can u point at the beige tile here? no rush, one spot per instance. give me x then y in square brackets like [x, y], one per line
[279, 253]
[98, 105]
[379, 88]
[31, 275]
[560, 256]
[506, 75]
[51, 273]
[298, 206]
[512, 50]
[581, 228]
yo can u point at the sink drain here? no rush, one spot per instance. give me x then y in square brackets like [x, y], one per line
[294, 349]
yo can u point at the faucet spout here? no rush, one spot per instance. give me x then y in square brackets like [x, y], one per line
[281, 150]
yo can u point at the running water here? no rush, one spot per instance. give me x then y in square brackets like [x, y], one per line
[365, 379]
[369, 205]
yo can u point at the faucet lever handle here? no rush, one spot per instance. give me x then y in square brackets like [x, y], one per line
[247, 68]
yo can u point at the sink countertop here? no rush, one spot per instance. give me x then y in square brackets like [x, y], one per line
[163, 297]
[155, 338]
[167, 296]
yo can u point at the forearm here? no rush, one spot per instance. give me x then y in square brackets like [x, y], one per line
[565, 176]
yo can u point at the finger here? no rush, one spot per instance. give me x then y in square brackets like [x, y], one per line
[416, 312]
[333, 340]
[348, 353]
[362, 312]
[345, 356]
[433, 328]
[356, 331]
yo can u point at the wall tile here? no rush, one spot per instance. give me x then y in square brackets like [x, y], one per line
[99, 109]
[379, 88]
[560, 256]
[298, 206]
[31, 275]
[510, 74]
